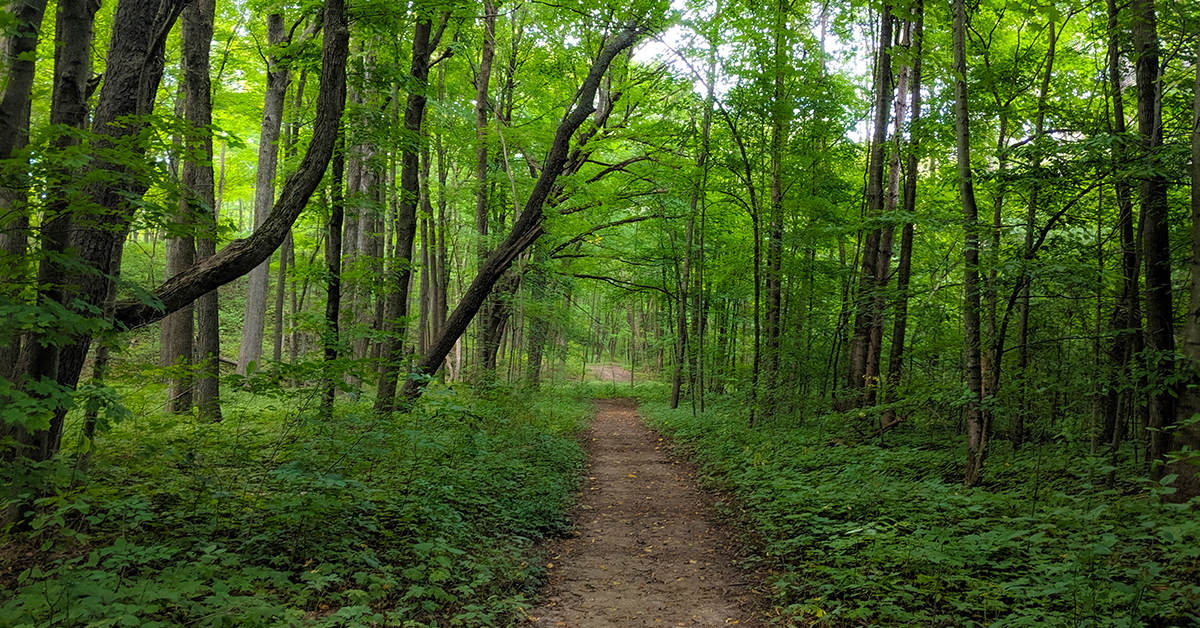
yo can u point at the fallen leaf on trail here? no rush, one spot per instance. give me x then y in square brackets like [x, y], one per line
[632, 475]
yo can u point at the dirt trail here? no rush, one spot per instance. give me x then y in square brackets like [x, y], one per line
[644, 553]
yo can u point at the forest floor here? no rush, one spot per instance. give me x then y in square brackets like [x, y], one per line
[646, 551]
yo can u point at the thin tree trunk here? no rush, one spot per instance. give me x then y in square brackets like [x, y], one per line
[487, 344]
[780, 113]
[977, 417]
[275, 93]
[909, 203]
[333, 272]
[1023, 370]
[425, 41]
[871, 274]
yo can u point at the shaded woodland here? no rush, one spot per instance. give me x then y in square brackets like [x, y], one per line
[281, 280]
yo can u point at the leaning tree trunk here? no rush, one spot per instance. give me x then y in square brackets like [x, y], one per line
[528, 226]
[977, 417]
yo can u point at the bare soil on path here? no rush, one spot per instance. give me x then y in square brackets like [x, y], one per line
[645, 552]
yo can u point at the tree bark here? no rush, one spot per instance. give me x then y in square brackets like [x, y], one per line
[135, 65]
[274, 95]
[333, 273]
[1156, 244]
[977, 417]
[487, 343]
[909, 203]
[870, 275]
[236, 259]
[528, 226]
[425, 41]
[780, 113]
[199, 193]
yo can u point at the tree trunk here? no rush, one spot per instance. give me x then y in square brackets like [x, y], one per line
[16, 52]
[177, 337]
[870, 276]
[904, 262]
[1188, 483]
[1160, 328]
[780, 113]
[487, 344]
[198, 186]
[425, 41]
[977, 417]
[333, 273]
[1023, 369]
[527, 227]
[278, 77]
[135, 65]
[18, 60]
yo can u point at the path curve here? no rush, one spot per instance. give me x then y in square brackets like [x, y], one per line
[644, 552]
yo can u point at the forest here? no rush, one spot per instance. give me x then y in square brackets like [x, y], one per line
[305, 304]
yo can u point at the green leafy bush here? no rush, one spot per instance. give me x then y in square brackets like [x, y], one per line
[276, 516]
[863, 535]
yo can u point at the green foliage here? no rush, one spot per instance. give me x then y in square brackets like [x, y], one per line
[865, 535]
[276, 516]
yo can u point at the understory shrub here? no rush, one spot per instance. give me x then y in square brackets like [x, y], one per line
[276, 516]
[864, 535]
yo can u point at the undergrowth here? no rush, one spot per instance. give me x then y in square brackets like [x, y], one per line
[276, 516]
[862, 535]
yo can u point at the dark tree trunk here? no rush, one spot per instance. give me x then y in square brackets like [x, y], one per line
[487, 342]
[870, 276]
[199, 192]
[1160, 326]
[780, 113]
[333, 273]
[977, 417]
[425, 41]
[135, 65]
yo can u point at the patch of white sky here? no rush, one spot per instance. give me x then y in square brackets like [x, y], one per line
[683, 49]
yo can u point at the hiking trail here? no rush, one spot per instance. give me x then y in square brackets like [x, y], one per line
[644, 552]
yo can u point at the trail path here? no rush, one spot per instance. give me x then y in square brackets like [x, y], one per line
[644, 553]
